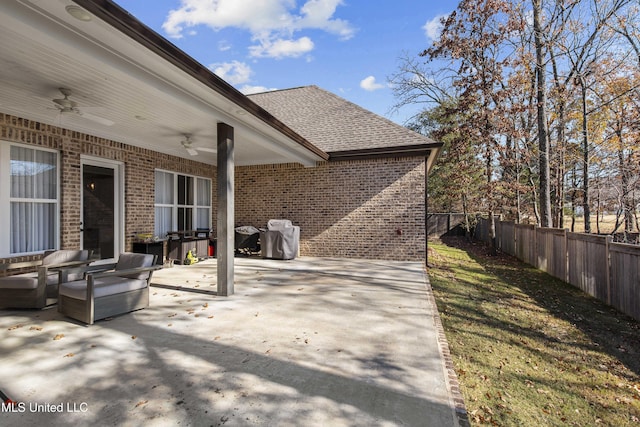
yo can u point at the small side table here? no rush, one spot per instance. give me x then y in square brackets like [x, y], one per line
[154, 248]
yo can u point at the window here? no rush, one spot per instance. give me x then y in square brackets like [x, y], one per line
[183, 202]
[164, 203]
[31, 223]
[203, 203]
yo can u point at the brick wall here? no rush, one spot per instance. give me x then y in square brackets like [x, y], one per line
[344, 209]
[139, 165]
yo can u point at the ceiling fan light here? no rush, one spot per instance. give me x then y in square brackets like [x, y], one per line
[78, 13]
[65, 103]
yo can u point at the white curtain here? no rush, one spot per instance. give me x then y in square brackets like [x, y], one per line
[34, 200]
[164, 196]
[203, 211]
[164, 221]
[164, 188]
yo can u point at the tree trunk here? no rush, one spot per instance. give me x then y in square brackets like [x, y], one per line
[585, 159]
[543, 143]
[574, 198]
[558, 219]
[536, 211]
[561, 166]
[598, 208]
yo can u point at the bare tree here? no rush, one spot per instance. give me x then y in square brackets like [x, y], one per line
[541, 96]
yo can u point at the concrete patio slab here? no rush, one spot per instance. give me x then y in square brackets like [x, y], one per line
[308, 342]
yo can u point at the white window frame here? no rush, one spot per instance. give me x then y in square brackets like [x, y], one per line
[6, 199]
[175, 205]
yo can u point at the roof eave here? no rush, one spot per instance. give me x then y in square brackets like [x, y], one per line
[430, 151]
[126, 23]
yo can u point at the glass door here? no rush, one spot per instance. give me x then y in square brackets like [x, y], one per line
[100, 227]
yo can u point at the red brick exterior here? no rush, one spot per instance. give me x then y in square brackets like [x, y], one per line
[363, 209]
[139, 165]
[360, 209]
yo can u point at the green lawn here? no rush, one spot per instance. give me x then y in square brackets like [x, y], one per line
[529, 349]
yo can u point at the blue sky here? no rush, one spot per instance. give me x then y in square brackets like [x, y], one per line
[348, 47]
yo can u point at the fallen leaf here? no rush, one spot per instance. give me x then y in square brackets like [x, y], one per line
[69, 355]
[14, 327]
[142, 402]
[35, 328]
[205, 305]
[210, 317]
[133, 337]
[58, 337]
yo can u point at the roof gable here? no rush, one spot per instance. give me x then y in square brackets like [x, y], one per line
[334, 124]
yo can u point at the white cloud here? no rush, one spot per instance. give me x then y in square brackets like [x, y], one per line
[281, 48]
[268, 21]
[248, 89]
[370, 84]
[318, 13]
[234, 72]
[433, 28]
[224, 45]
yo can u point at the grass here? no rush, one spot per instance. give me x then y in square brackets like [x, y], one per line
[607, 224]
[529, 349]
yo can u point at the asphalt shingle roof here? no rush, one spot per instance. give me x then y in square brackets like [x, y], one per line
[334, 124]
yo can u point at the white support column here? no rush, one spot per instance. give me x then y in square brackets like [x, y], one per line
[226, 210]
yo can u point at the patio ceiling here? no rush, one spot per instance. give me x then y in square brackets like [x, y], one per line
[132, 85]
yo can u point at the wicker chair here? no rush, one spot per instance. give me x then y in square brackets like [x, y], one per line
[109, 289]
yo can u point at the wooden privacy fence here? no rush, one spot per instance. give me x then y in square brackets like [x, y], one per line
[606, 270]
[442, 224]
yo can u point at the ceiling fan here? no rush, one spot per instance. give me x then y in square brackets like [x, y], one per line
[65, 105]
[187, 143]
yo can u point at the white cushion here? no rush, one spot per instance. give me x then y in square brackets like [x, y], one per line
[20, 281]
[101, 287]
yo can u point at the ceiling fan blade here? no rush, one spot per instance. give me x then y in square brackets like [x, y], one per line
[96, 119]
[207, 149]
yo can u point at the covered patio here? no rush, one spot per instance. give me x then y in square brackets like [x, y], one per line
[88, 80]
[304, 342]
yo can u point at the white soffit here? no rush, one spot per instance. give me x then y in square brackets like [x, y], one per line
[151, 102]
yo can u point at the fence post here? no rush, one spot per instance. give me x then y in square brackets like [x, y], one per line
[515, 240]
[536, 260]
[607, 257]
[566, 255]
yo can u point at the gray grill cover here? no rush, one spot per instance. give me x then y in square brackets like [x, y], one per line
[280, 240]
